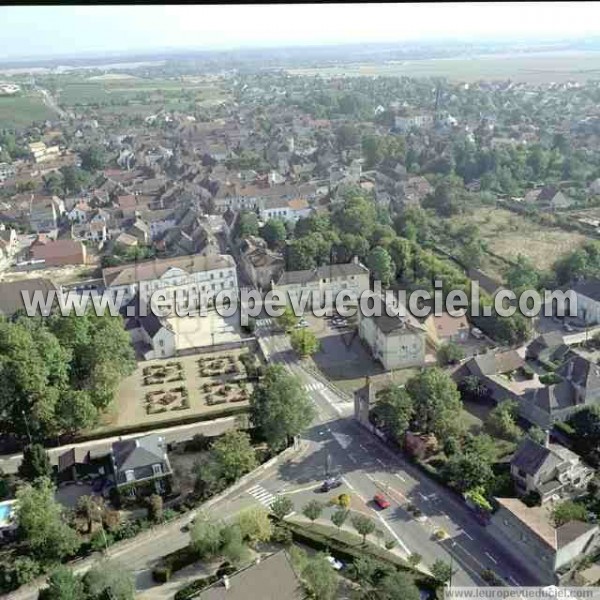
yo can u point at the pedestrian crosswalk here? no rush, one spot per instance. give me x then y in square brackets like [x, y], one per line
[264, 322]
[263, 496]
[314, 387]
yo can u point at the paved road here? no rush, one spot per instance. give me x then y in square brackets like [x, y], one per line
[178, 433]
[368, 466]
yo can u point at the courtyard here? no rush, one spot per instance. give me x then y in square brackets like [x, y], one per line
[197, 331]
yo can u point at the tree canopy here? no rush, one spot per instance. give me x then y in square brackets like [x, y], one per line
[280, 407]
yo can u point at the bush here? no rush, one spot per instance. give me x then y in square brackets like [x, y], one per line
[550, 378]
[527, 371]
[282, 535]
[191, 589]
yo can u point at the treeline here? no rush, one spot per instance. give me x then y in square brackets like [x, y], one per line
[58, 374]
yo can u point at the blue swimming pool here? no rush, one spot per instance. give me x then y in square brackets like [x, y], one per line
[6, 511]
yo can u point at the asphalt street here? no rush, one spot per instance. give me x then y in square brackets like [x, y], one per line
[368, 466]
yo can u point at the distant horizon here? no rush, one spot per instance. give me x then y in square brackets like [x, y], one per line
[36, 33]
[157, 52]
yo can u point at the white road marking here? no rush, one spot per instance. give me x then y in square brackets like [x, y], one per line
[514, 580]
[351, 457]
[342, 439]
[400, 477]
[396, 536]
[348, 484]
[467, 535]
[491, 558]
[380, 462]
[261, 495]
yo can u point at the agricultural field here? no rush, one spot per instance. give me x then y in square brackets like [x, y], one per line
[22, 110]
[508, 235]
[534, 68]
[114, 91]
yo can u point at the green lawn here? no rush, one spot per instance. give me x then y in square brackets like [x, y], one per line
[21, 111]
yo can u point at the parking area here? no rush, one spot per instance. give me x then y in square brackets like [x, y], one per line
[345, 360]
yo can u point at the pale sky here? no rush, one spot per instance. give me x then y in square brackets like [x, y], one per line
[60, 30]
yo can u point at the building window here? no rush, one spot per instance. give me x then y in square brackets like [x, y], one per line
[157, 469]
[129, 475]
[161, 342]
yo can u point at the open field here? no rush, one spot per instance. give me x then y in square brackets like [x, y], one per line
[508, 235]
[22, 110]
[534, 68]
[169, 389]
[120, 90]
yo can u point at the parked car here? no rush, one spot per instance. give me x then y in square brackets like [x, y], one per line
[338, 565]
[330, 484]
[339, 322]
[302, 324]
[477, 333]
[381, 501]
[568, 328]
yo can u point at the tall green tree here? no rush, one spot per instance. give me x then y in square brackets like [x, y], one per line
[274, 232]
[320, 579]
[393, 412]
[437, 403]
[63, 584]
[233, 455]
[398, 586]
[280, 407]
[364, 525]
[35, 463]
[109, 579]
[304, 342]
[381, 265]
[312, 510]
[41, 521]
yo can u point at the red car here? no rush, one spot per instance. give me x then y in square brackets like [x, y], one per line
[381, 501]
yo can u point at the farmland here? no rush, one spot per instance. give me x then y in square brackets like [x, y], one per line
[22, 110]
[534, 68]
[117, 91]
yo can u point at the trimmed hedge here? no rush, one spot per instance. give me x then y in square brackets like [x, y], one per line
[564, 428]
[191, 589]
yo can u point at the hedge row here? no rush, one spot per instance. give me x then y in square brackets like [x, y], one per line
[349, 553]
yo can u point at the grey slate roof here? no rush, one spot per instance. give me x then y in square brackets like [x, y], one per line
[581, 372]
[589, 289]
[569, 532]
[323, 272]
[532, 457]
[138, 452]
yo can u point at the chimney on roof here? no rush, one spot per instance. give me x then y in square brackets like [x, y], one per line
[226, 583]
[547, 438]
